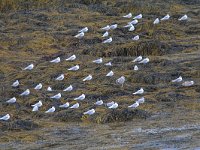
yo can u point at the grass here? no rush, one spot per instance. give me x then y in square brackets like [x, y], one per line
[39, 31]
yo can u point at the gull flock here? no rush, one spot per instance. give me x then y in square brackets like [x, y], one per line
[120, 81]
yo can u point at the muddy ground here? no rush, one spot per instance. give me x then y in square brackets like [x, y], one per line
[37, 32]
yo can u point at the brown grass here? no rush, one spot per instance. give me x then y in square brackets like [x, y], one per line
[38, 31]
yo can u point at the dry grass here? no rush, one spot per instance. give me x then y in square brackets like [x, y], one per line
[38, 31]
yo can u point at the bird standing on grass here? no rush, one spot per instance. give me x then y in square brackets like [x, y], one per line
[188, 83]
[79, 35]
[88, 78]
[136, 38]
[156, 21]
[38, 87]
[133, 22]
[35, 108]
[135, 105]
[139, 58]
[12, 100]
[138, 16]
[57, 96]
[64, 105]
[106, 28]
[85, 29]
[183, 18]
[110, 104]
[140, 91]
[165, 17]
[71, 58]
[135, 68]
[108, 64]
[99, 102]
[15, 84]
[81, 97]
[74, 68]
[89, 112]
[110, 74]
[57, 60]
[105, 34]
[121, 80]
[108, 40]
[29, 67]
[60, 77]
[144, 61]
[38, 104]
[98, 61]
[75, 106]
[179, 79]
[49, 89]
[132, 28]
[129, 15]
[114, 26]
[25, 93]
[113, 106]
[5, 118]
[141, 100]
[68, 89]
[51, 110]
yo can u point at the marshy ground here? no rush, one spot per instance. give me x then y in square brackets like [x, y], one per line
[37, 32]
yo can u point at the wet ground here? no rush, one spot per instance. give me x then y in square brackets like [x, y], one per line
[174, 128]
